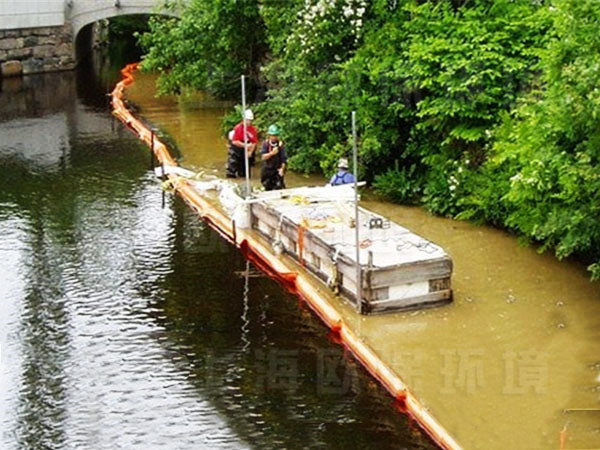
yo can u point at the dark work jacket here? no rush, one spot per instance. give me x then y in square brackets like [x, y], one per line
[274, 162]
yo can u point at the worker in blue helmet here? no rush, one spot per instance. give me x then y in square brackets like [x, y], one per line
[342, 176]
[274, 160]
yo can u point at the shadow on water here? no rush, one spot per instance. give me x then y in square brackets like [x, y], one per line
[128, 324]
[41, 400]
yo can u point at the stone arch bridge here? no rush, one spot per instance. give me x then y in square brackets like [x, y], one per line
[40, 35]
[84, 12]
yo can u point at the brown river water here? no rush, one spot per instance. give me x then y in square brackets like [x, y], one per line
[512, 363]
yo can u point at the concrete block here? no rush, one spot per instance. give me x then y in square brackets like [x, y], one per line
[3, 55]
[43, 51]
[33, 65]
[19, 53]
[11, 43]
[11, 69]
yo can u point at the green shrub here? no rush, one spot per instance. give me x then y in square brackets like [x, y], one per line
[399, 185]
[481, 110]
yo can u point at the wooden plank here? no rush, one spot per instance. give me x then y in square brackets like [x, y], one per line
[345, 265]
[350, 297]
[267, 216]
[323, 251]
[321, 276]
[312, 242]
[376, 281]
[424, 301]
[412, 272]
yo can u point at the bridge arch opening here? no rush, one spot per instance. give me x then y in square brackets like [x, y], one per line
[115, 35]
[87, 17]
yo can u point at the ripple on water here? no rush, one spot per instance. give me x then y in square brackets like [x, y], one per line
[85, 367]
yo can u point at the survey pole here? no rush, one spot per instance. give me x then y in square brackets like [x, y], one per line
[246, 162]
[356, 217]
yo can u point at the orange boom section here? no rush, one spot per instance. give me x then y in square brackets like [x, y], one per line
[293, 278]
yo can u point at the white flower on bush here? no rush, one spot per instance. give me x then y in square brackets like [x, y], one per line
[452, 183]
[347, 13]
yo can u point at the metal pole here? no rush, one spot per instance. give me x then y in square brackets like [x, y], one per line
[246, 162]
[356, 217]
[152, 149]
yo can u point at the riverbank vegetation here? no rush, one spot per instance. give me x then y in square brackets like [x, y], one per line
[477, 109]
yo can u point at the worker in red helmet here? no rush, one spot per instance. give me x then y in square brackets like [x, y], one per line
[236, 166]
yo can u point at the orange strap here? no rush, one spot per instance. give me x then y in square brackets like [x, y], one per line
[563, 437]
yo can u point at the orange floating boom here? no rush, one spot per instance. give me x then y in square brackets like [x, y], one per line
[297, 282]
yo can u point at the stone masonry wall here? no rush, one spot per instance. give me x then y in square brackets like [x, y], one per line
[36, 50]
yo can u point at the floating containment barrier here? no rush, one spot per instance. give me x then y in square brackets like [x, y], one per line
[310, 237]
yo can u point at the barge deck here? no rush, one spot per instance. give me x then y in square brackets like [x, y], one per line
[399, 270]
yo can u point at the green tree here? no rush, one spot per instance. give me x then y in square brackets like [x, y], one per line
[208, 48]
[478, 109]
[552, 141]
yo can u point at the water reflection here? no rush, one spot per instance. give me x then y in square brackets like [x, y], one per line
[267, 362]
[85, 365]
[45, 345]
[35, 96]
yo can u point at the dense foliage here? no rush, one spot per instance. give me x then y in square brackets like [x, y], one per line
[208, 48]
[478, 109]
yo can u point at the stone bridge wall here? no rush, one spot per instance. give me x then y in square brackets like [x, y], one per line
[17, 14]
[36, 50]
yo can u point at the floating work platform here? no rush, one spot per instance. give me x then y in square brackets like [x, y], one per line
[399, 270]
